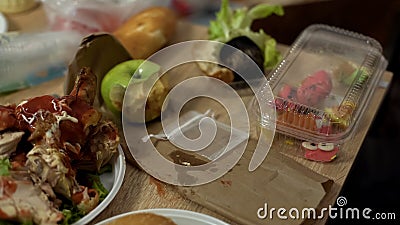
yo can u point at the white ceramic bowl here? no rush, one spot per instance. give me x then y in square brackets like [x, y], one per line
[179, 216]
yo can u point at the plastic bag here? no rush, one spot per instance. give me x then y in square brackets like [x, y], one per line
[28, 59]
[89, 16]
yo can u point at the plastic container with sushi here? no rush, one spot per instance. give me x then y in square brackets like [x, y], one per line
[324, 84]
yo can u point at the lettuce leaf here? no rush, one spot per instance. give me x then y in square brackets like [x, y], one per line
[71, 214]
[5, 166]
[231, 23]
[70, 211]
[96, 184]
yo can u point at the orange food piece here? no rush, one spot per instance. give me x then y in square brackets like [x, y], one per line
[298, 120]
[148, 31]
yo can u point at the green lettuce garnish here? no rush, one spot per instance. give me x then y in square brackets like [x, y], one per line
[70, 211]
[5, 166]
[361, 73]
[71, 214]
[230, 24]
[96, 184]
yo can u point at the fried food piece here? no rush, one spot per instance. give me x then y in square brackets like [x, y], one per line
[102, 145]
[85, 86]
[7, 117]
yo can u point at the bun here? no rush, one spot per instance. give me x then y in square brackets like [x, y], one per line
[142, 219]
[216, 71]
[148, 31]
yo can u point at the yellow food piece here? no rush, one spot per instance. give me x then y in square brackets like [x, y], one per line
[142, 219]
[16, 6]
[148, 31]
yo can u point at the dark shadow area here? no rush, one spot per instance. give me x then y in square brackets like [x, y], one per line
[374, 179]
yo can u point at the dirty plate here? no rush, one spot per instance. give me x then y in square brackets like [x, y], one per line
[112, 182]
[180, 217]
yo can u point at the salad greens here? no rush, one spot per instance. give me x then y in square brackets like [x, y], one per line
[361, 73]
[71, 212]
[96, 184]
[231, 23]
[5, 165]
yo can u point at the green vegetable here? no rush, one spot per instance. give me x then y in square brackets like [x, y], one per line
[5, 166]
[96, 184]
[71, 214]
[230, 24]
[361, 73]
[105, 169]
[29, 222]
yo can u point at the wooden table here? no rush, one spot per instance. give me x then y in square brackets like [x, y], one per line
[140, 191]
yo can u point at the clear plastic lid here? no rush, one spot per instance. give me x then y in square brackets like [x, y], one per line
[324, 83]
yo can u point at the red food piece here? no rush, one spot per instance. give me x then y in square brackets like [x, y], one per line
[314, 88]
[287, 92]
[7, 117]
[318, 153]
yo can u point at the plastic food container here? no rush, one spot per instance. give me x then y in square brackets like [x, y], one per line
[324, 83]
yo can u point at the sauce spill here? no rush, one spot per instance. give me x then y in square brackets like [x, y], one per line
[186, 159]
[160, 187]
[226, 183]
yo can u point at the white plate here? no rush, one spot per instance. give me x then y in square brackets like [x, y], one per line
[180, 217]
[112, 182]
[3, 23]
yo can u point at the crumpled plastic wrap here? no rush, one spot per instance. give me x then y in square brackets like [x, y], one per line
[89, 16]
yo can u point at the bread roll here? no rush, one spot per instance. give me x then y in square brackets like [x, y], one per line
[148, 31]
[142, 219]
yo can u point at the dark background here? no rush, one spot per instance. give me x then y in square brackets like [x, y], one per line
[374, 179]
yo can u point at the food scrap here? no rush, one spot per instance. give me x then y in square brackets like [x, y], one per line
[226, 183]
[341, 115]
[231, 24]
[147, 31]
[233, 27]
[348, 72]
[139, 73]
[322, 152]
[50, 141]
[312, 90]
[295, 106]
